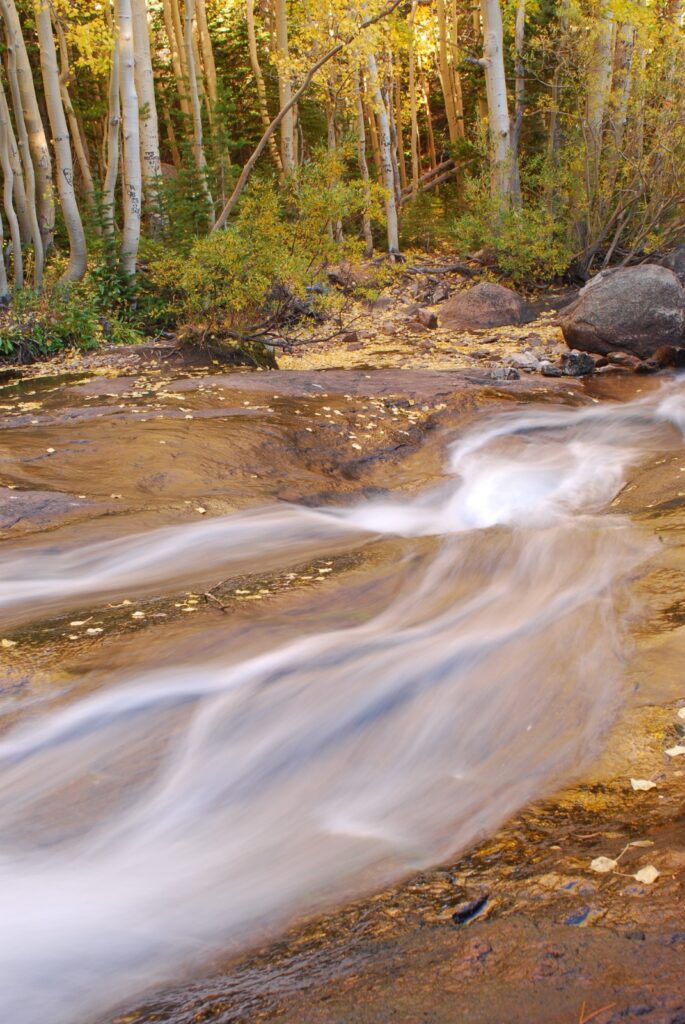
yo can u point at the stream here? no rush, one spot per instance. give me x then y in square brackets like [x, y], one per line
[266, 654]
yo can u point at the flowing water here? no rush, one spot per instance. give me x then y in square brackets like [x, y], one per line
[196, 792]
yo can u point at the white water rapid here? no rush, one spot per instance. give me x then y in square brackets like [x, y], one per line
[241, 793]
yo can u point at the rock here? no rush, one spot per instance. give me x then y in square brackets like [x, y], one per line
[524, 361]
[388, 327]
[466, 911]
[505, 373]
[440, 293]
[637, 309]
[675, 262]
[427, 318]
[578, 364]
[350, 337]
[382, 302]
[485, 305]
[548, 369]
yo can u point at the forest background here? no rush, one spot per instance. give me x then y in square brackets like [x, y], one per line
[200, 165]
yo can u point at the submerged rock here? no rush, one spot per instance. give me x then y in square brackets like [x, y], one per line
[485, 305]
[635, 309]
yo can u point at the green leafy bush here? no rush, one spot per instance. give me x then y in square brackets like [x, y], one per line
[63, 316]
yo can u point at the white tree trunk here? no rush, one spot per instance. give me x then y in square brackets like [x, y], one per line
[74, 128]
[501, 157]
[259, 80]
[24, 148]
[8, 190]
[149, 127]
[285, 91]
[76, 267]
[385, 146]
[132, 191]
[198, 144]
[113, 127]
[37, 140]
[598, 85]
[363, 166]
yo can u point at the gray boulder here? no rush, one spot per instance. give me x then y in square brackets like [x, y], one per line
[634, 309]
[485, 305]
[675, 261]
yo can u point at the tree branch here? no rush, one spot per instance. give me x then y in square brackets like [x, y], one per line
[263, 142]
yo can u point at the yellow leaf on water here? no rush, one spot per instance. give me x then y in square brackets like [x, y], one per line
[603, 864]
[646, 875]
[642, 784]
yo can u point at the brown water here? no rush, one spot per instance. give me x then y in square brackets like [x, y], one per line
[282, 639]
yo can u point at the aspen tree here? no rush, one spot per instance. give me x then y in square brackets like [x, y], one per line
[24, 149]
[76, 267]
[198, 144]
[598, 85]
[415, 170]
[74, 128]
[113, 125]
[285, 92]
[501, 156]
[363, 166]
[132, 176]
[149, 124]
[35, 131]
[259, 80]
[385, 153]
[8, 191]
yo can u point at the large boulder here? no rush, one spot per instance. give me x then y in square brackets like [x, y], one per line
[675, 261]
[483, 306]
[635, 309]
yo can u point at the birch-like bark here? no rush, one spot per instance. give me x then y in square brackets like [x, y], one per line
[198, 143]
[385, 153]
[285, 91]
[259, 80]
[172, 27]
[519, 99]
[132, 178]
[415, 169]
[18, 189]
[445, 72]
[363, 166]
[37, 140]
[72, 120]
[113, 125]
[620, 95]
[208, 61]
[76, 267]
[24, 151]
[501, 157]
[151, 163]
[8, 190]
[598, 85]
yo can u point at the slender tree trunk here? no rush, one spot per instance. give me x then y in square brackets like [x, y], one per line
[363, 166]
[598, 84]
[37, 141]
[385, 147]
[74, 126]
[501, 156]
[149, 123]
[259, 81]
[18, 188]
[454, 69]
[519, 100]
[198, 144]
[620, 98]
[25, 152]
[171, 137]
[395, 89]
[113, 126]
[444, 70]
[8, 190]
[288, 158]
[415, 168]
[172, 27]
[76, 267]
[425, 93]
[207, 57]
[375, 142]
[132, 178]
